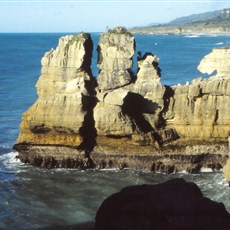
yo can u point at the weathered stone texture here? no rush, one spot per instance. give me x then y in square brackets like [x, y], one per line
[226, 168]
[126, 115]
[115, 50]
[217, 60]
[200, 111]
[131, 112]
[64, 87]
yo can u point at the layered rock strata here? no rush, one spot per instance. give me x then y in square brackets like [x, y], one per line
[115, 52]
[128, 120]
[200, 111]
[62, 114]
[226, 168]
[217, 61]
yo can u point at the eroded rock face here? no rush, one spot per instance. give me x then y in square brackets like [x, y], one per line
[217, 60]
[226, 168]
[200, 111]
[129, 115]
[126, 121]
[65, 96]
[148, 85]
[175, 204]
[115, 50]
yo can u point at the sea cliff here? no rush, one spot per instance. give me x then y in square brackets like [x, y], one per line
[125, 119]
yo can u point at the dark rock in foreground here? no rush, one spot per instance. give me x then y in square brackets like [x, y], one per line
[175, 204]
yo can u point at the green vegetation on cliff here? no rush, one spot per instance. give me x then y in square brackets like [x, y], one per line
[209, 22]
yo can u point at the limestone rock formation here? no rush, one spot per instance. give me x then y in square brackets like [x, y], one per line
[217, 61]
[200, 111]
[148, 78]
[226, 168]
[128, 120]
[206, 102]
[62, 113]
[148, 85]
[129, 115]
[115, 52]
[175, 204]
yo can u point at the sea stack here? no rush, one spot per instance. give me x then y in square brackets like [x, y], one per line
[115, 52]
[55, 125]
[125, 119]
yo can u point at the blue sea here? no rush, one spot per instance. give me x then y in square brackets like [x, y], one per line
[34, 198]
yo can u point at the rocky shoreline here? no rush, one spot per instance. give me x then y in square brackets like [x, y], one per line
[125, 119]
[181, 30]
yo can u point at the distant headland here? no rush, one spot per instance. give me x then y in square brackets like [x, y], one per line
[214, 22]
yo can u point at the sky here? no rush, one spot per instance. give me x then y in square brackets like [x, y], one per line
[94, 15]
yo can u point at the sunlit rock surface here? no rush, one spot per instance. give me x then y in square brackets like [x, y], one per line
[115, 52]
[124, 119]
[217, 60]
[226, 168]
[62, 113]
[200, 111]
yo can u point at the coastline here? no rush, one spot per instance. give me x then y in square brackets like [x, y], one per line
[123, 119]
[182, 34]
[170, 159]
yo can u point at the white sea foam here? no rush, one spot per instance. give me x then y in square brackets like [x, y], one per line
[10, 161]
[110, 170]
[192, 36]
[219, 43]
[206, 170]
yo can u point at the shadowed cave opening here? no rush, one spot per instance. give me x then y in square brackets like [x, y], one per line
[135, 106]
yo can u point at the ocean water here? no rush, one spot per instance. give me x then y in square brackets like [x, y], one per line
[34, 198]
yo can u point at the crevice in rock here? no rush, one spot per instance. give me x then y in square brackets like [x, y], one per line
[131, 71]
[99, 55]
[91, 84]
[216, 116]
[88, 130]
[88, 45]
[133, 76]
[169, 93]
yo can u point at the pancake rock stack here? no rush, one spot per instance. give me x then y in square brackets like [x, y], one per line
[115, 50]
[200, 111]
[61, 113]
[217, 61]
[206, 102]
[125, 119]
[125, 105]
